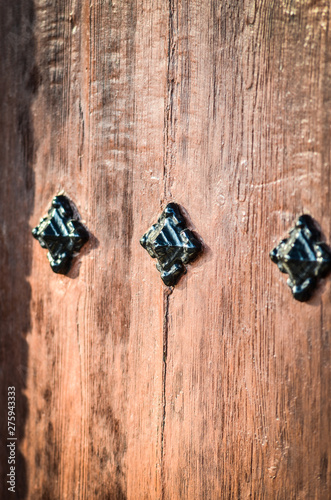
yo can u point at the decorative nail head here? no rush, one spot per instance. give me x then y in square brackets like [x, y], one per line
[61, 233]
[304, 257]
[172, 244]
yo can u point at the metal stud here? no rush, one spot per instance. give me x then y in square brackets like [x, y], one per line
[172, 244]
[61, 233]
[304, 257]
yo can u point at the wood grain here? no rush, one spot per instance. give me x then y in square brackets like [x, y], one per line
[219, 389]
[248, 369]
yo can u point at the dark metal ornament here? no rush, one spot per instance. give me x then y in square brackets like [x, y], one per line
[304, 257]
[61, 234]
[172, 244]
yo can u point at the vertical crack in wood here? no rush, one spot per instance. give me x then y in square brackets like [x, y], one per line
[166, 300]
[167, 160]
[168, 110]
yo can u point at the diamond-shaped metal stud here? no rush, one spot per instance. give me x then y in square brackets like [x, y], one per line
[303, 257]
[172, 244]
[61, 234]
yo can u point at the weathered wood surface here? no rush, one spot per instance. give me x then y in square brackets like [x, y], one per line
[221, 389]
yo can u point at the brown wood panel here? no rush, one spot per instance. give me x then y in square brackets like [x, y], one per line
[94, 369]
[220, 388]
[248, 367]
[95, 401]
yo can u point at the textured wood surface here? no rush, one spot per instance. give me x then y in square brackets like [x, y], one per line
[219, 389]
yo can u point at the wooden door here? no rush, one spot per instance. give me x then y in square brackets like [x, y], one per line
[219, 389]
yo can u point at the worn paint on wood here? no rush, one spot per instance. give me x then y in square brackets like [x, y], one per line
[220, 389]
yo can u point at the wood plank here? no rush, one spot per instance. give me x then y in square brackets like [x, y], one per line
[95, 349]
[220, 388]
[248, 367]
